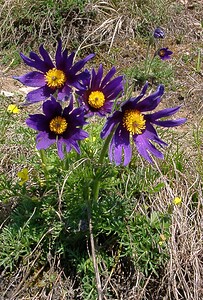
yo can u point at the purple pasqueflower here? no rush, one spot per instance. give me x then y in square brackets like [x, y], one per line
[100, 92]
[131, 123]
[159, 33]
[164, 53]
[58, 125]
[51, 77]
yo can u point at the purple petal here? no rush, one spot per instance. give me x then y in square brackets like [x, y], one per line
[93, 76]
[120, 143]
[162, 113]
[69, 108]
[131, 103]
[37, 63]
[58, 56]
[115, 155]
[79, 134]
[106, 108]
[115, 92]
[38, 122]
[39, 94]
[45, 66]
[77, 117]
[97, 79]
[75, 81]
[144, 147]
[108, 76]
[52, 108]
[59, 144]
[109, 88]
[34, 79]
[141, 144]
[170, 123]
[151, 102]
[70, 138]
[47, 60]
[69, 61]
[84, 77]
[110, 123]
[64, 92]
[151, 134]
[80, 64]
[43, 141]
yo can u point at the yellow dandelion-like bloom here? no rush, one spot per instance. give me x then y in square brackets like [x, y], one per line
[23, 175]
[13, 109]
[177, 201]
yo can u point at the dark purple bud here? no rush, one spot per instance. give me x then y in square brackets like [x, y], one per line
[159, 33]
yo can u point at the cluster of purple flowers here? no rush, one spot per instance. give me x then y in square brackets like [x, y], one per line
[96, 93]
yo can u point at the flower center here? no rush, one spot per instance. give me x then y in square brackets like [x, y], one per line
[96, 99]
[55, 78]
[162, 52]
[58, 125]
[134, 121]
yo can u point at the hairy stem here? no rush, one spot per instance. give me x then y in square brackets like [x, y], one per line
[100, 161]
[44, 163]
[94, 258]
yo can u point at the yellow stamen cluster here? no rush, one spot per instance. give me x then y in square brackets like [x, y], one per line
[96, 99]
[134, 121]
[58, 125]
[55, 79]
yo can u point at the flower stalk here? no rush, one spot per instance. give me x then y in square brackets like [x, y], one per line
[104, 150]
[44, 163]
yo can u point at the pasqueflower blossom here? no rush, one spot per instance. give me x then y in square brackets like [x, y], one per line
[58, 125]
[158, 33]
[50, 77]
[164, 53]
[100, 92]
[130, 123]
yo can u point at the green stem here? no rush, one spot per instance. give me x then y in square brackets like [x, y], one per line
[92, 243]
[148, 60]
[150, 64]
[44, 163]
[100, 161]
[147, 57]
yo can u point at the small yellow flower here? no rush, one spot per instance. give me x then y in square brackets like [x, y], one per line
[86, 140]
[162, 239]
[177, 201]
[93, 138]
[13, 109]
[23, 175]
